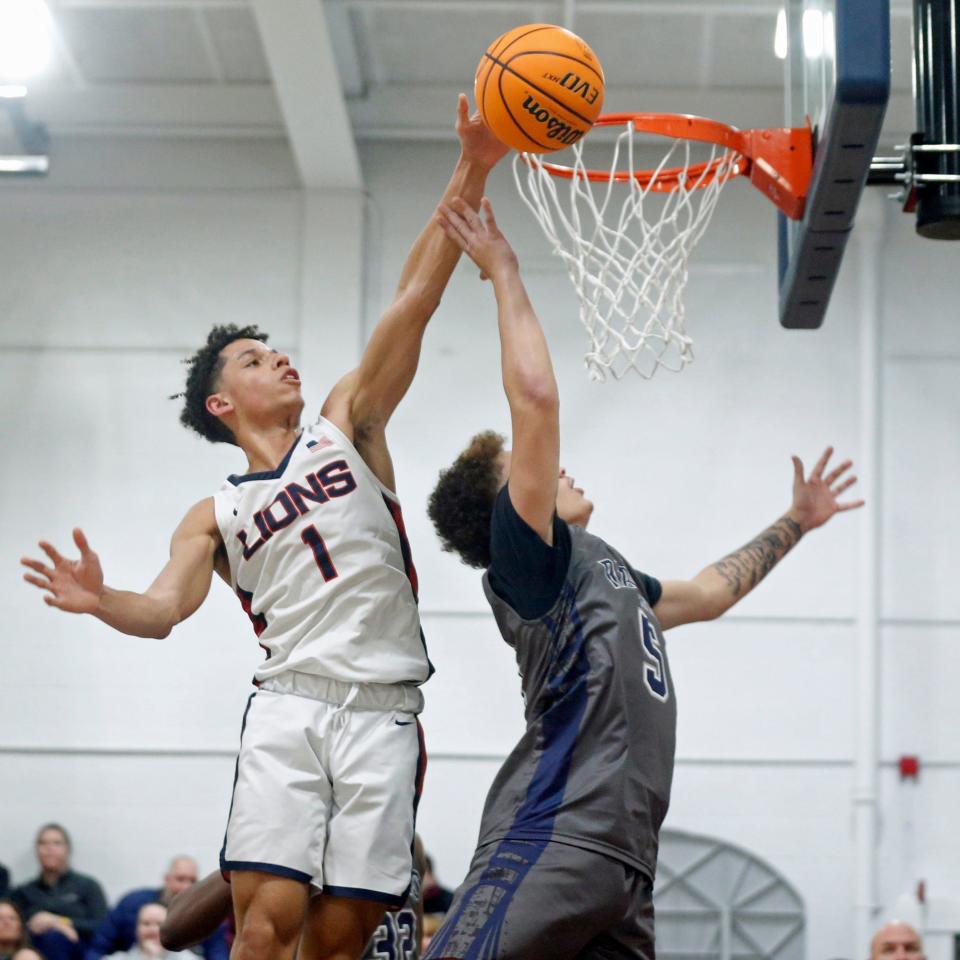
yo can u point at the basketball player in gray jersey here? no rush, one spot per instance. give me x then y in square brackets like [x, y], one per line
[567, 851]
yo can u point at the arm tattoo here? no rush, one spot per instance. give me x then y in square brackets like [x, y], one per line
[745, 568]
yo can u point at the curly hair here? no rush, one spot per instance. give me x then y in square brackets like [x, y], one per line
[203, 378]
[461, 504]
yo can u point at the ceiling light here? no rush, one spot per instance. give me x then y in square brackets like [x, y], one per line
[25, 38]
[813, 33]
[780, 36]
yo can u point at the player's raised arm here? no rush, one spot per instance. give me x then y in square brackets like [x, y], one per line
[718, 587]
[528, 378]
[390, 359]
[77, 586]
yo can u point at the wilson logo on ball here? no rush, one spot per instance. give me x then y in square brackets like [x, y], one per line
[555, 128]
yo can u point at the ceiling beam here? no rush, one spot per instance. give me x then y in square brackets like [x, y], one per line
[297, 43]
[160, 106]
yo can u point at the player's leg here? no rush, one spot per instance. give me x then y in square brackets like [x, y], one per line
[269, 913]
[338, 928]
[376, 768]
[531, 900]
[273, 847]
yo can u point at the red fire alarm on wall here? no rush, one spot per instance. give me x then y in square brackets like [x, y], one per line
[909, 768]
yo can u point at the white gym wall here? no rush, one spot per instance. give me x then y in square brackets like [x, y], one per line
[113, 269]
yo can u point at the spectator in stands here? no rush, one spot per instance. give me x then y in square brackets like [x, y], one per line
[436, 899]
[119, 928]
[13, 931]
[150, 917]
[4, 881]
[62, 908]
[896, 940]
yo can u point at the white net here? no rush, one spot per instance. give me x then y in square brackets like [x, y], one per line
[627, 244]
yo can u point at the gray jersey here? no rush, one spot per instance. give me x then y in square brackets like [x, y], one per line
[595, 764]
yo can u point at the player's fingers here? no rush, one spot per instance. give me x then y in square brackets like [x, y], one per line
[51, 552]
[467, 212]
[849, 482]
[79, 538]
[822, 462]
[488, 214]
[37, 582]
[853, 505]
[450, 216]
[451, 231]
[37, 567]
[834, 474]
[463, 108]
[797, 469]
[51, 601]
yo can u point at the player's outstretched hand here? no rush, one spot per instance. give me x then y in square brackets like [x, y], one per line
[477, 139]
[817, 498]
[479, 238]
[72, 585]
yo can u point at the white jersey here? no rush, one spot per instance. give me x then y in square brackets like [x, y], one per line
[320, 561]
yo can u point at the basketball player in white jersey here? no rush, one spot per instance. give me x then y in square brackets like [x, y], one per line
[311, 540]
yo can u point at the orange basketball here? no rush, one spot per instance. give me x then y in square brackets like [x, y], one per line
[539, 88]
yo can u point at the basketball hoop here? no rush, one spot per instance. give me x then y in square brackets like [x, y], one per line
[626, 252]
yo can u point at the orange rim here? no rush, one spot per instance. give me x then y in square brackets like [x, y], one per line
[778, 160]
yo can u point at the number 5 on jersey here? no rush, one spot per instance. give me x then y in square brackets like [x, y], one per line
[654, 670]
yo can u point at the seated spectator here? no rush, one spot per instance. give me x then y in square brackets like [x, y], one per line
[118, 930]
[13, 931]
[150, 917]
[896, 940]
[62, 908]
[436, 899]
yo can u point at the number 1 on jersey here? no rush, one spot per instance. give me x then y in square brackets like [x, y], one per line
[311, 537]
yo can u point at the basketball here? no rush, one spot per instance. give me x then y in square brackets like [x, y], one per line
[539, 88]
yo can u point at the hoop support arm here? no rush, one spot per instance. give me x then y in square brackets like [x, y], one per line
[781, 163]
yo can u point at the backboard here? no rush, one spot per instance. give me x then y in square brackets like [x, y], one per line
[838, 77]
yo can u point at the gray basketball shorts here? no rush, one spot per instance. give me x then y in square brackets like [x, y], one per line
[545, 900]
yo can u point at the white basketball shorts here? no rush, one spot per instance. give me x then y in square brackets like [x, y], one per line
[327, 784]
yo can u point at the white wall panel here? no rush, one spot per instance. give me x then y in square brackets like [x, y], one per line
[763, 691]
[920, 291]
[920, 680]
[921, 508]
[473, 702]
[98, 445]
[112, 270]
[127, 815]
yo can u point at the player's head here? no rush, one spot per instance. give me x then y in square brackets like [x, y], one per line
[236, 380]
[896, 941]
[462, 501]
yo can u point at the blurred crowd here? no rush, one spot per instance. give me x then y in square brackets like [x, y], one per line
[62, 914]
